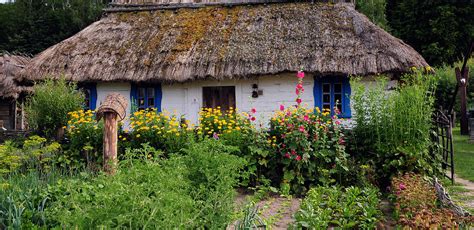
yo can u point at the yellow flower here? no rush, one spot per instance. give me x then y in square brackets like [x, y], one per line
[138, 135]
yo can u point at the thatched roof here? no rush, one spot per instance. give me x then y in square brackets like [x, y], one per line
[10, 66]
[181, 44]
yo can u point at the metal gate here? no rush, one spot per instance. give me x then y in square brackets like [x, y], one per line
[442, 138]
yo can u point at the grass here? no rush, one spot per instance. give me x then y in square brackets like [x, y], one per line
[463, 156]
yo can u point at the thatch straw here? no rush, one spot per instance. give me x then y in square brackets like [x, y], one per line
[10, 66]
[226, 42]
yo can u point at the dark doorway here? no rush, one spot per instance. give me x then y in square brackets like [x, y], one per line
[223, 96]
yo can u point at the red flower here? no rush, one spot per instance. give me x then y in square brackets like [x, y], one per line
[300, 74]
[252, 118]
[402, 186]
[301, 129]
[306, 118]
[282, 107]
[299, 86]
[293, 152]
[298, 100]
[253, 110]
[287, 155]
[341, 141]
[297, 91]
[298, 158]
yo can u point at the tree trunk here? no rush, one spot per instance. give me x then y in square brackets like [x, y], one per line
[110, 142]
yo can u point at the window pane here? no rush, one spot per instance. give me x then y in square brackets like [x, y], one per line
[141, 92]
[141, 102]
[151, 93]
[326, 98]
[338, 98]
[326, 106]
[337, 88]
[151, 102]
[326, 88]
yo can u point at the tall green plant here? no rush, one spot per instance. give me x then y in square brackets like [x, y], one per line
[393, 128]
[48, 107]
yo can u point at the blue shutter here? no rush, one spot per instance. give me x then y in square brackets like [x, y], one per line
[93, 96]
[158, 97]
[346, 106]
[317, 92]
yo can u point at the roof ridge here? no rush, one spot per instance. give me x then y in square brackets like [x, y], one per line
[164, 5]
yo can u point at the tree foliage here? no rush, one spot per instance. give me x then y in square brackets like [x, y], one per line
[440, 30]
[30, 26]
[374, 10]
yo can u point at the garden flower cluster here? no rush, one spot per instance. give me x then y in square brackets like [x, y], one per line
[214, 122]
[309, 141]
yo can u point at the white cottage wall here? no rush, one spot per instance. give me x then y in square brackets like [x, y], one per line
[186, 98]
[104, 88]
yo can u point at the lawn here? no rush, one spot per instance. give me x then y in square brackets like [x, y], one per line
[463, 156]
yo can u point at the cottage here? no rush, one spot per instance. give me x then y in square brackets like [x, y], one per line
[11, 113]
[182, 56]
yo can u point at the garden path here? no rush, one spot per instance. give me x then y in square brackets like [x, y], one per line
[463, 193]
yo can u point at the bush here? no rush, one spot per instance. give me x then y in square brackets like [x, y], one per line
[194, 190]
[85, 135]
[160, 130]
[416, 205]
[238, 130]
[48, 107]
[35, 155]
[350, 208]
[310, 145]
[392, 129]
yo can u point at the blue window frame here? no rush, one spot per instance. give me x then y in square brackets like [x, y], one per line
[90, 94]
[147, 96]
[333, 92]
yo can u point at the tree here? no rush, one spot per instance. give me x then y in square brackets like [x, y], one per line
[374, 10]
[438, 29]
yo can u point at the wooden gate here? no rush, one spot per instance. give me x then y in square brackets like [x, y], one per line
[442, 137]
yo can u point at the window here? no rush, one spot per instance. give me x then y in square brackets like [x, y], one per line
[146, 96]
[222, 96]
[333, 92]
[90, 96]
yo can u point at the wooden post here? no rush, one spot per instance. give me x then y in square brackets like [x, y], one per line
[110, 142]
[113, 110]
[463, 79]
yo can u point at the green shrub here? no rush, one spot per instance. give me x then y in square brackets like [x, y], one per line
[195, 190]
[34, 154]
[161, 130]
[392, 128]
[48, 107]
[350, 208]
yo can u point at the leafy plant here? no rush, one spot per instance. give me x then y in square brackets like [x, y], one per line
[416, 205]
[48, 107]
[347, 208]
[392, 128]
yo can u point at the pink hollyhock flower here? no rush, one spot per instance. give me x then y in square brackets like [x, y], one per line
[287, 155]
[300, 74]
[252, 118]
[402, 186]
[299, 86]
[338, 122]
[283, 145]
[306, 118]
[341, 141]
[290, 126]
[301, 129]
[282, 107]
[293, 152]
[298, 100]
[298, 158]
[253, 110]
[297, 91]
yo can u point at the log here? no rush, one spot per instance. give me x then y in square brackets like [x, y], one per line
[110, 142]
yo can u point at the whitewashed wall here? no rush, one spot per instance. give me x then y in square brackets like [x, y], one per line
[104, 88]
[186, 98]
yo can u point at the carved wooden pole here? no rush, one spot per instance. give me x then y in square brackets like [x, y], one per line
[112, 110]
[110, 142]
[463, 79]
